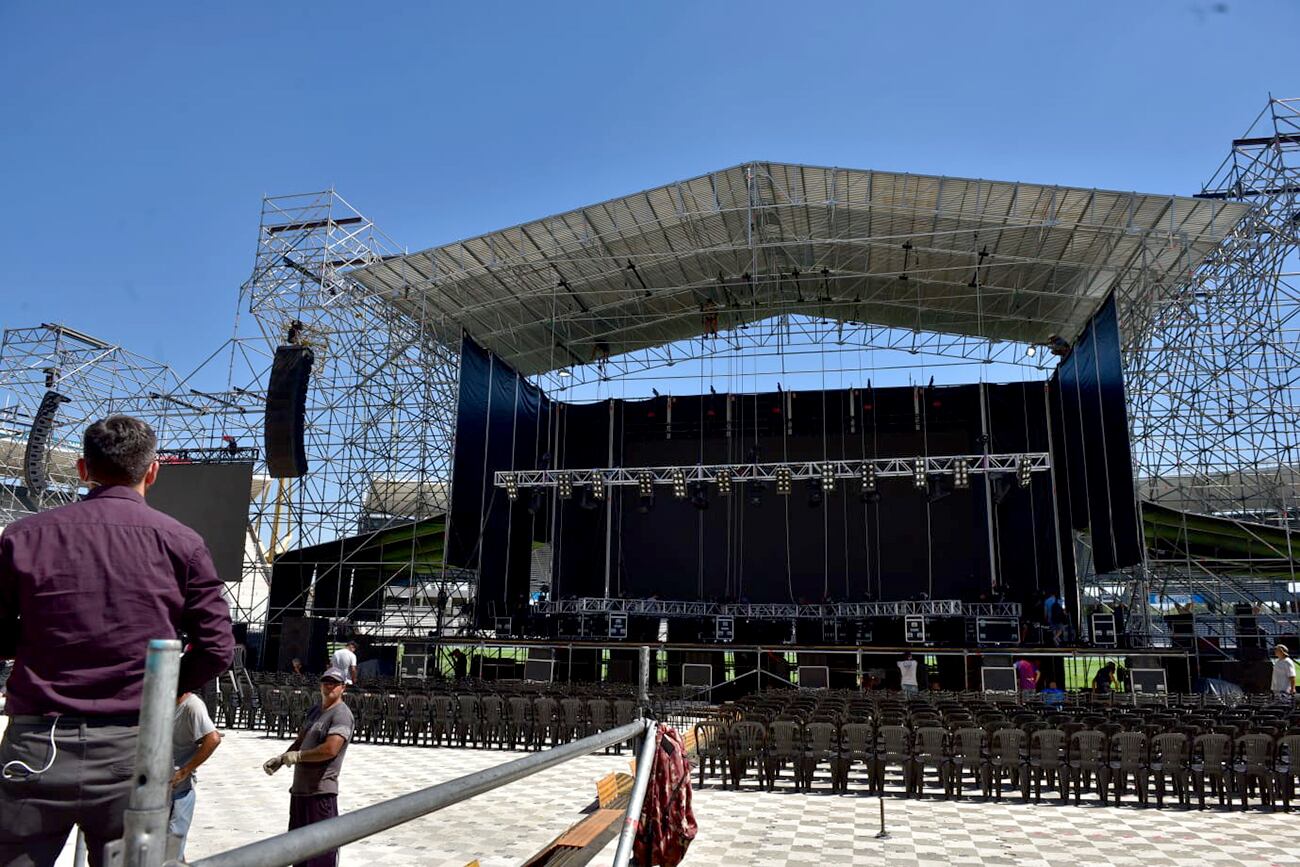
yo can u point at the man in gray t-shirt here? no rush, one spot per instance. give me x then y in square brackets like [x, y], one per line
[194, 738]
[317, 758]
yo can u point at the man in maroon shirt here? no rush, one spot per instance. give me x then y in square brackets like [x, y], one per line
[83, 588]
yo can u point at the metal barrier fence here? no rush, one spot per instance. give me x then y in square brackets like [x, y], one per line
[145, 839]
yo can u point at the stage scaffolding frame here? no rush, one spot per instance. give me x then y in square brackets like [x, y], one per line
[1211, 373]
[1211, 341]
[97, 378]
[318, 257]
[381, 399]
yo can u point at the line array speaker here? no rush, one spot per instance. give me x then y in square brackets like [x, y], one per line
[286, 412]
[38, 441]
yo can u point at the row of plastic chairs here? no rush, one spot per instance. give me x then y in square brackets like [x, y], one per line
[1069, 762]
[466, 719]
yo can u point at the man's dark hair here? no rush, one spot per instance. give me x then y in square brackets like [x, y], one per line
[119, 449]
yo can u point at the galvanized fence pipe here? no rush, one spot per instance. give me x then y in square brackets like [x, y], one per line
[303, 843]
[632, 822]
[144, 838]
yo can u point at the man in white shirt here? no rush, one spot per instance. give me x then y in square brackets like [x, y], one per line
[345, 660]
[194, 738]
[1283, 673]
[907, 670]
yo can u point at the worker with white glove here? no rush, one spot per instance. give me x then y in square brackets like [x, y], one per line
[317, 757]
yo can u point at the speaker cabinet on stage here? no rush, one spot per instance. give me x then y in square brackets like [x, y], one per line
[286, 412]
[303, 638]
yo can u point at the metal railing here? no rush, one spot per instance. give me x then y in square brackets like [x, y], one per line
[145, 835]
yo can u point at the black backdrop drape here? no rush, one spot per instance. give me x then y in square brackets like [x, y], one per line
[907, 545]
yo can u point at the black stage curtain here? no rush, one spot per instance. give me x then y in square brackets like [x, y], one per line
[501, 425]
[1088, 404]
[910, 542]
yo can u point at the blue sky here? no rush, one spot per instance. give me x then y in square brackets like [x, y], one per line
[139, 138]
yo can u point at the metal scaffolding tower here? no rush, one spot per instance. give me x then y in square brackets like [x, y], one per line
[382, 396]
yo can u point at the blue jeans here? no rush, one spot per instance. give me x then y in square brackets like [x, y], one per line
[178, 828]
[909, 689]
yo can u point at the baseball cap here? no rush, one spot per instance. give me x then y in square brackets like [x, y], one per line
[335, 674]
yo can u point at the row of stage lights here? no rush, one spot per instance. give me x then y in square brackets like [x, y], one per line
[697, 491]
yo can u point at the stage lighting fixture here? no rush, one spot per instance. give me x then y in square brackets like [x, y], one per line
[918, 474]
[598, 487]
[868, 475]
[724, 483]
[699, 495]
[645, 484]
[679, 482]
[754, 492]
[815, 496]
[588, 500]
[828, 477]
[1031, 350]
[1023, 471]
[961, 474]
[564, 486]
[535, 501]
[783, 480]
[512, 486]
[937, 488]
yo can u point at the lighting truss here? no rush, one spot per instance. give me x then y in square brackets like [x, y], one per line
[784, 474]
[778, 610]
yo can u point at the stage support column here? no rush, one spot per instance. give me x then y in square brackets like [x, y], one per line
[988, 486]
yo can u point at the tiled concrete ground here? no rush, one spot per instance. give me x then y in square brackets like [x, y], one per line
[239, 803]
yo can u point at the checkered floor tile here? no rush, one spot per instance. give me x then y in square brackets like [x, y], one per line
[238, 803]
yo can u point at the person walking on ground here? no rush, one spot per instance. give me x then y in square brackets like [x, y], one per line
[83, 589]
[345, 660]
[1027, 675]
[194, 739]
[317, 759]
[1283, 673]
[907, 673]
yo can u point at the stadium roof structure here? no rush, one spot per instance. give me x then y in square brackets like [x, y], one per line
[994, 260]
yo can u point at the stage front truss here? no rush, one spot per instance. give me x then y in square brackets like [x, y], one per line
[666, 608]
[884, 468]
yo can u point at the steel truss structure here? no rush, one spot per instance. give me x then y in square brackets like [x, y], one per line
[1010, 464]
[94, 378]
[382, 393]
[832, 275]
[778, 611]
[1211, 374]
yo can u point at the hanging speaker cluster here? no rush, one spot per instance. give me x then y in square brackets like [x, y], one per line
[284, 433]
[38, 444]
